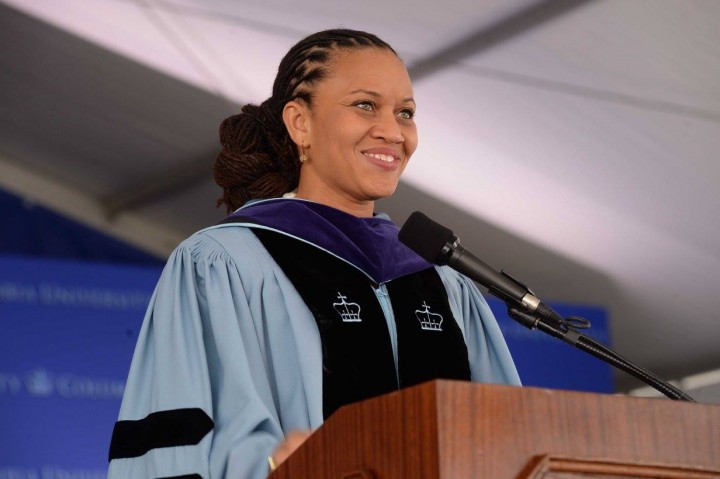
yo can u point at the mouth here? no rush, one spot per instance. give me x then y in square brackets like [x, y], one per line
[383, 156]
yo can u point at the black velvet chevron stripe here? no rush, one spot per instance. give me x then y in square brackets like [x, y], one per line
[177, 427]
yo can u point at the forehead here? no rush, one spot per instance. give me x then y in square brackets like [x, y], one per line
[372, 69]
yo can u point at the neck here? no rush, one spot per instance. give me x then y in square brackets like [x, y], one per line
[359, 208]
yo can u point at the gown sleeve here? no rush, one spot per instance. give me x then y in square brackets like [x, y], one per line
[199, 400]
[490, 359]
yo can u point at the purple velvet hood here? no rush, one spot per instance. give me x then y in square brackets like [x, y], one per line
[369, 244]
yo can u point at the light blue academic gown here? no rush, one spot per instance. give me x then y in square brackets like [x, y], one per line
[227, 332]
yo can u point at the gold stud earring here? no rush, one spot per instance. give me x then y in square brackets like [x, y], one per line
[303, 155]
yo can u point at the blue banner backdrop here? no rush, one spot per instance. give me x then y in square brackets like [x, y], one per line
[68, 332]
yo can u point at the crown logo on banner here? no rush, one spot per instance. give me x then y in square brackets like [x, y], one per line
[39, 383]
[349, 312]
[429, 321]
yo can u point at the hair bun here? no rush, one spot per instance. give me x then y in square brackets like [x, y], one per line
[243, 131]
[246, 176]
[250, 164]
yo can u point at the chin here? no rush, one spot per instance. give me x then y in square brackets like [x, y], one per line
[379, 192]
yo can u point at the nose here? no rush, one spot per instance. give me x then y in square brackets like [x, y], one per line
[387, 128]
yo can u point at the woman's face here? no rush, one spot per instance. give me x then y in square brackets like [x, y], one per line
[360, 129]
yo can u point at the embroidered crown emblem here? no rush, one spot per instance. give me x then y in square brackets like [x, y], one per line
[349, 312]
[429, 321]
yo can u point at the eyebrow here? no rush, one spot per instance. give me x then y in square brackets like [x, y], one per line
[378, 95]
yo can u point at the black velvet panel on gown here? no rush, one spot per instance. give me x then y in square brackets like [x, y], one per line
[357, 353]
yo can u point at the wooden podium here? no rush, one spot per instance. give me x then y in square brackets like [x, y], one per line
[449, 429]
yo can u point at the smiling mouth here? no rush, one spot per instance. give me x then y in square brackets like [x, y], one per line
[381, 157]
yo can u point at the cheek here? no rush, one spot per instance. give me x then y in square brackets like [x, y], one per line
[334, 134]
[411, 140]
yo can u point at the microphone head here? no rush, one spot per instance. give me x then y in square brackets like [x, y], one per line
[426, 237]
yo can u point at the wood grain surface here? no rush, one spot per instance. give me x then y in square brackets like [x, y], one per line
[453, 429]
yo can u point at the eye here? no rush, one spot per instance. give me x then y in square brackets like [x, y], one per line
[406, 114]
[366, 105]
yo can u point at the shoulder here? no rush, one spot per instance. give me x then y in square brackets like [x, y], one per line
[462, 290]
[219, 239]
[230, 243]
[453, 280]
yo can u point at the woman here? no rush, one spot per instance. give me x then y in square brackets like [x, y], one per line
[303, 301]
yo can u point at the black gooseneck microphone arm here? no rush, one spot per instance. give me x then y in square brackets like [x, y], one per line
[566, 329]
[425, 237]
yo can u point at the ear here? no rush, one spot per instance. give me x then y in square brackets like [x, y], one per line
[296, 116]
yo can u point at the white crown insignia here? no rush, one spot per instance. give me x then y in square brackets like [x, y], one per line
[39, 383]
[429, 321]
[349, 312]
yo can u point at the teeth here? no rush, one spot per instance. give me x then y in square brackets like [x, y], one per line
[385, 158]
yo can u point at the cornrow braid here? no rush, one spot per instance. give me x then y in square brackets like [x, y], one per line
[258, 158]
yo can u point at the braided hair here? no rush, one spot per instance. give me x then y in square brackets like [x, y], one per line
[258, 157]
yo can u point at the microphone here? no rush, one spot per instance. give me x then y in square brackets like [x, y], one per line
[438, 245]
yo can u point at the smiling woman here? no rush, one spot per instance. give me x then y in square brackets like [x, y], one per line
[339, 97]
[303, 299]
[359, 132]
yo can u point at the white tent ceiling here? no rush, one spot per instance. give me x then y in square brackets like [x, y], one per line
[573, 143]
